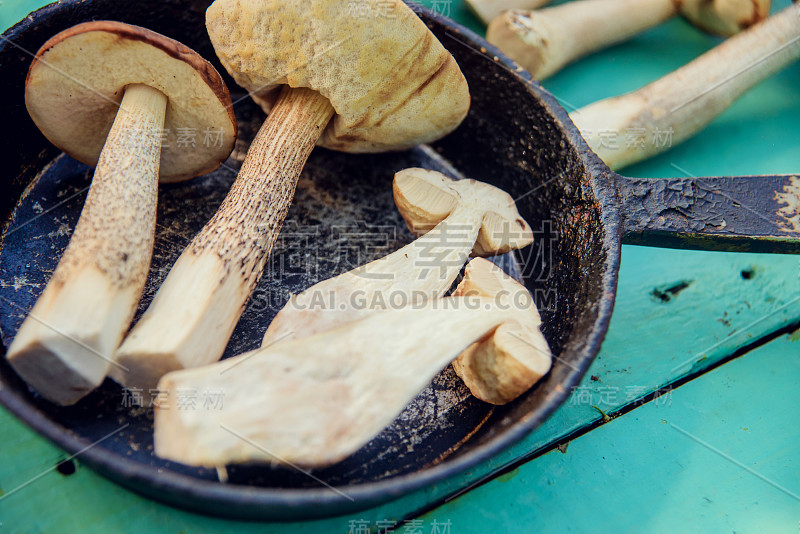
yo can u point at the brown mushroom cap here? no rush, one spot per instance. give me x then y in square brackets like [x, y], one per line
[425, 198]
[78, 79]
[724, 17]
[391, 83]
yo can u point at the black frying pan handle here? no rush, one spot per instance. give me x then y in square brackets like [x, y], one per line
[737, 213]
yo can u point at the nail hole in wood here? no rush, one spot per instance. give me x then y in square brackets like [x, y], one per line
[66, 468]
[667, 293]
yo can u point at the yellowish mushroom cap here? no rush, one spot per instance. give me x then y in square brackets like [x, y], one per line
[390, 81]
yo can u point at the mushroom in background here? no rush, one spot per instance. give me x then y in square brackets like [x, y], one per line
[105, 92]
[543, 41]
[488, 10]
[683, 102]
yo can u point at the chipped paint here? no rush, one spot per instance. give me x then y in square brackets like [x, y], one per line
[507, 477]
[794, 336]
[790, 212]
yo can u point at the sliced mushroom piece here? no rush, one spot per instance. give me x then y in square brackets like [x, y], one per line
[105, 92]
[673, 108]
[318, 82]
[312, 402]
[506, 364]
[543, 41]
[458, 218]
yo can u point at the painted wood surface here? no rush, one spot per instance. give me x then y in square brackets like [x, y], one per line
[716, 455]
[678, 313]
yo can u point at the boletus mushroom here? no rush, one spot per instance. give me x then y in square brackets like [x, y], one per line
[105, 93]
[356, 84]
[458, 218]
[543, 41]
[504, 365]
[312, 402]
[673, 108]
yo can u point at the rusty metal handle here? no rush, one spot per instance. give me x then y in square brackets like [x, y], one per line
[737, 213]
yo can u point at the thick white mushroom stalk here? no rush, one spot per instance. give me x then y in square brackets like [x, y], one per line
[64, 347]
[312, 402]
[457, 218]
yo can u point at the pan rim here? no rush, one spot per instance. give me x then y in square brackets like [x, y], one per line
[254, 502]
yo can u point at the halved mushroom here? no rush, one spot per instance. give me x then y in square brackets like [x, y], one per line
[545, 40]
[357, 84]
[105, 92]
[458, 218]
[314, 401]
[516, 355]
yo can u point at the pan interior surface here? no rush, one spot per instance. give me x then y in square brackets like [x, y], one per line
[343, 216]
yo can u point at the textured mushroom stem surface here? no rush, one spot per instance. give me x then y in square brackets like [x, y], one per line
[422, 270]
[192, 316]
[635, 126]
[546, 40]
[64, 348]
[488, 10]
[314, 401]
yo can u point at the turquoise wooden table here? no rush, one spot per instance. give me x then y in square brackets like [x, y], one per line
[688, 421]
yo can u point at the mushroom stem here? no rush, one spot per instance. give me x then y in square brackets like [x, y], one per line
[487, 10]
[424, 269]
[543, 41]
[64, 347]
[192, 316]
[310, 403]
[635, 126]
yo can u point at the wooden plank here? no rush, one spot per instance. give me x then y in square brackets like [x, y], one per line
[664, 335]
[720, 454]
